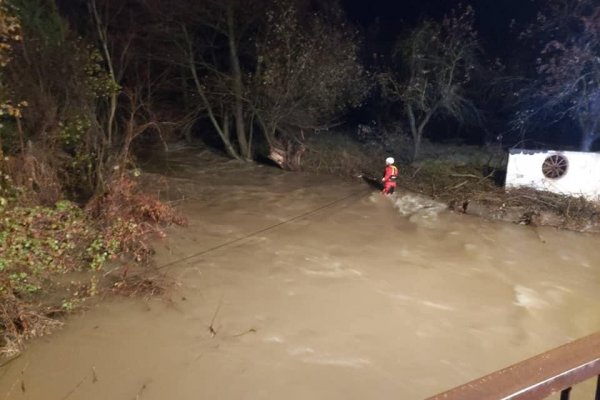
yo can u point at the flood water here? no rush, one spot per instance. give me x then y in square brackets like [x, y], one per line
[319, 288]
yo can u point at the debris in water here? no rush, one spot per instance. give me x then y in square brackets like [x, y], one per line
[139, 393]
[251, 330]
[211, 328]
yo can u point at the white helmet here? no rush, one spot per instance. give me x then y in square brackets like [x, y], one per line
[389, 161]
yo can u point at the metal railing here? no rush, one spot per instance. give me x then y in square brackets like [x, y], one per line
[555, 371]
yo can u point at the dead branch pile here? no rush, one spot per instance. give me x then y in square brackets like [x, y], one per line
[19, 321]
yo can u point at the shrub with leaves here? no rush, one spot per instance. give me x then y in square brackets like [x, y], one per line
[127, 215]
[40, 244]
[40, 241]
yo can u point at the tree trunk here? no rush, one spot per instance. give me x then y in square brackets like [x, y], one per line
[237, 87]
[417, 145]
[268, 132]
[415, 132]
[251, 133]
[225, 127]
[112, 108]
[21, 135]
[224, 135]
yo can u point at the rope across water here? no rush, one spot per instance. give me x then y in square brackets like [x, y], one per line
[363, 192]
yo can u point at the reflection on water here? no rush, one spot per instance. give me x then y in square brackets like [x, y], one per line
[372, 297]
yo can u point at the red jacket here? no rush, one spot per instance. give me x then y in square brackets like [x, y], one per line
[390, 175]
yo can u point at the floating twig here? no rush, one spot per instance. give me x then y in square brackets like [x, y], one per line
[211, 327]
[138, 396]
[251, 330]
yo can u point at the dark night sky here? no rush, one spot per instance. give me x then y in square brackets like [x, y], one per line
[493, 16]
[493, 20]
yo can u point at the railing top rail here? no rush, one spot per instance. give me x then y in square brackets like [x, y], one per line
[537, 377]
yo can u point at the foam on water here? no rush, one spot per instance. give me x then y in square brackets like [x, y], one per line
[417, 207]
[529, 298]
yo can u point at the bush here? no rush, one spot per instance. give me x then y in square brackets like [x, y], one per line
[39, 241]
[126, 216]
[39, 244]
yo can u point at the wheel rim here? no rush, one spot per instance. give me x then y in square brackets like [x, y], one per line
[555, 166]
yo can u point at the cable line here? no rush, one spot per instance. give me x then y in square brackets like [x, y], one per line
[263, 230]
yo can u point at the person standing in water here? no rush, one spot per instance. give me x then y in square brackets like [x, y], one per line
[389, 177]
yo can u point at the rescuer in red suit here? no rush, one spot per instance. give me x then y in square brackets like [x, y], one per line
[389, 177]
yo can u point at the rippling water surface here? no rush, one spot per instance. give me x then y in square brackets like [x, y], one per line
[370, 297]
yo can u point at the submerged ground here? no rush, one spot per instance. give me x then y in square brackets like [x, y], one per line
[361, 296]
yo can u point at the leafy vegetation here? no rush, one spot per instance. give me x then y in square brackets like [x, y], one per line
[38, 241]
[270, 72]
[41, 244]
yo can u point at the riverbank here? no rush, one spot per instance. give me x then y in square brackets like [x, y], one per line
[466, 190]
[54, 259]
[468, 179]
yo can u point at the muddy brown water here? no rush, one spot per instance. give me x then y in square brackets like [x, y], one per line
[370, 297]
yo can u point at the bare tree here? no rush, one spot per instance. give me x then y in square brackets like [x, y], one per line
[566, 80]
[138, 118]
[102, 37]
[307, 73]
[210, 40]
[434, 65]
[271, 67]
